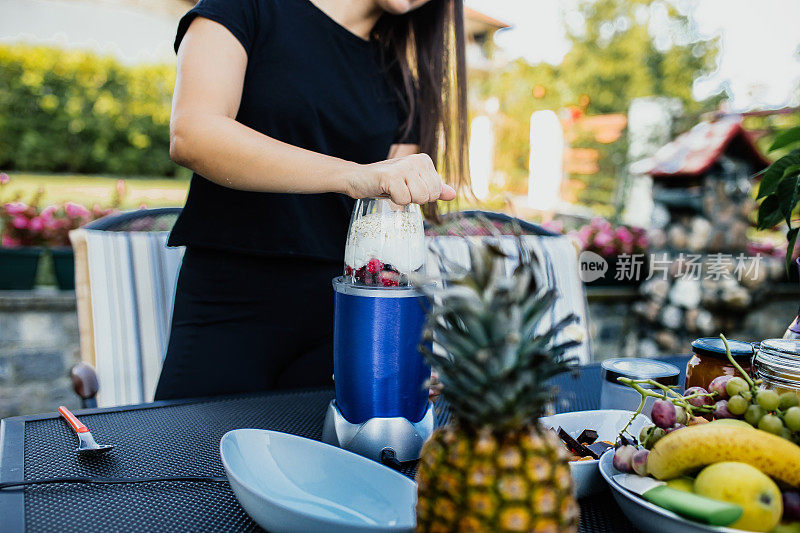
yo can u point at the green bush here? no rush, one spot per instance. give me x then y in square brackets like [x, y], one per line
[74, 111]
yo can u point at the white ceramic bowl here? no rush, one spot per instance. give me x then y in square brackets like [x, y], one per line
[289, 483]
[608, 423]
[647, 516]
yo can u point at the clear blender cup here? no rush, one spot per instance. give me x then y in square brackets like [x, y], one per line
[385, 243]
[379, 316]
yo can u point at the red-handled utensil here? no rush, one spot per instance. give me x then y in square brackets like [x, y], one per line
[86, 443]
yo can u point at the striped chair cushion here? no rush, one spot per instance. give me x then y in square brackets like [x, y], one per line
[560, 269]
[132, 278]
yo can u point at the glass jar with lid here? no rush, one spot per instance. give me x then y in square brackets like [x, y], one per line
[615, 395]
[709, 360]
[777, 362]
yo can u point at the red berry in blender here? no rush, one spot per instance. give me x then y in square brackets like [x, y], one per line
[389, 278]
[361, 274]
[374, 266]
[348, 270]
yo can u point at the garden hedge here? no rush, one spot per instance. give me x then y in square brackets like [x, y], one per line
[75, 111]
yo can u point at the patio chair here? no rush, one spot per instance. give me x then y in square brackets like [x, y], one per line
[125, 280]
[125, 283]
[559, 252]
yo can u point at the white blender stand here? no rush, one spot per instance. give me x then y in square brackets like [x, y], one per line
[394, 236]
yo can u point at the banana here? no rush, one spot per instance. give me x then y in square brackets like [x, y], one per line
[690, 448]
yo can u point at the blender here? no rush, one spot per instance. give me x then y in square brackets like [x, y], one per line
[381, 409]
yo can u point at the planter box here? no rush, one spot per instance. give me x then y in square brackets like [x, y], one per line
[18, 268]
[64, 267]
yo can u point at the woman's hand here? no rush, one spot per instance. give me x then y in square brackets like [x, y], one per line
[406, 180]
[435, 387]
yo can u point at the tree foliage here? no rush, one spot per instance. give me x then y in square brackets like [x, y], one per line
[621, 50]
[73, 111]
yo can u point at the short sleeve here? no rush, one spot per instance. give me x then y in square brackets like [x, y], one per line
[240, 17]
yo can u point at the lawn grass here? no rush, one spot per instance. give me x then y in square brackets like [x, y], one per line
[93, 189]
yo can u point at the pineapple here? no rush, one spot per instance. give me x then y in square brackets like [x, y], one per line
[493, 467]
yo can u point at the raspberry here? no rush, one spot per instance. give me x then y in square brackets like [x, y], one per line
[361, 274]
[348, 270]
[374, 266]
[390, 279]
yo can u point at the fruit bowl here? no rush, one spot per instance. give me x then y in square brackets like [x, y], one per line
[646, 516]
[608, 423]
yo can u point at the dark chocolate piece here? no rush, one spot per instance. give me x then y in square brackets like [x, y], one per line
[587, 436]
[573, 445]
[598, 448]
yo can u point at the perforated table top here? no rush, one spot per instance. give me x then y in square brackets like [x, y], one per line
[182, 439]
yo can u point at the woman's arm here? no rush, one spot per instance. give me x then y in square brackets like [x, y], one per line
[204, 136]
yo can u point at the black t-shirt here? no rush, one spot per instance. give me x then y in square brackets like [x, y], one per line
[311, 83]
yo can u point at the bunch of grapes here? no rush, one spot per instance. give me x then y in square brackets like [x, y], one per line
[727, 397]
[762, 408]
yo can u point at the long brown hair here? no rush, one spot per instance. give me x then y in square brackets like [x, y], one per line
[426, 47]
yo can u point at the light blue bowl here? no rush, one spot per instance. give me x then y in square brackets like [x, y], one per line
[289, 483]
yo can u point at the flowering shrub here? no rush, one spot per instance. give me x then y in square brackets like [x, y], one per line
[22, 225]
[601, 237]
[27, 225]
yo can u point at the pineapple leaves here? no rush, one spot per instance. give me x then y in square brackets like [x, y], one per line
[495, 343]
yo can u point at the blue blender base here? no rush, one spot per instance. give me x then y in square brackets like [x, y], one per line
[376, 436]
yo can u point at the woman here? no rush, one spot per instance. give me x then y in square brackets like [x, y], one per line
[287, 111]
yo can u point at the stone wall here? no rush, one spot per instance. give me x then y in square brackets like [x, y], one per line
[38, 345]
[616, 331]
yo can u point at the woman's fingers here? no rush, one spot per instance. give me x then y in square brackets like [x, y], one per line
[435, 387]
[418, 189]
[409, 179]
[398, 190]
[448, 193]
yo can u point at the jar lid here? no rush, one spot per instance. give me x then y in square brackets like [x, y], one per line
[778, 362]
[782, 346]
[714, 347]
[633, 368]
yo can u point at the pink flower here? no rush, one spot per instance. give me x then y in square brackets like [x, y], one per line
[600, 223]
[4, 178]
[556, 226]
[48, 212]
[121, 187]
[623, 234]
[584, 234]
[75, 210]
[642, 241]
[36, 224]
[19, 222]
[10, 242]
[603, 238]
[15, 208]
